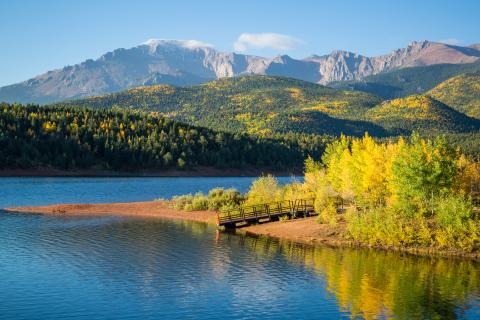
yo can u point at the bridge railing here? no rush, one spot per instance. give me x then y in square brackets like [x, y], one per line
[253, 211]
[265, 210]
[304, 205]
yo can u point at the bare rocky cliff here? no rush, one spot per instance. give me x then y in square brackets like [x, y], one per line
[189, 62]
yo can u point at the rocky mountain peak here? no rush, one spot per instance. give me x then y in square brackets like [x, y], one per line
[188, 62]
[475, 46]
[187, 44]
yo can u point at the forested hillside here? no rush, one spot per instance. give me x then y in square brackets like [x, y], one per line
[259, 105]
[71, 137]
[461, 93]
[422, 114]
[269, 106]
[250, 121]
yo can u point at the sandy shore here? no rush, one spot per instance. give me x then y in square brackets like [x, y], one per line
[301, 230]
[159, 209]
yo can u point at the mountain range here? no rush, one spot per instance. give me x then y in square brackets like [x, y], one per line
[190, 62]
[406, 81]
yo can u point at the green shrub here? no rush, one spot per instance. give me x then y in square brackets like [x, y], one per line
[264, 190]
[180, 202]
[456, 227]
[453, 211]
[327, 213]
[199, 202]
[381, 226]
[221, 199]
[217, 199]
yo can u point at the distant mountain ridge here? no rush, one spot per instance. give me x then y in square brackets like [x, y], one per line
[190, 62]
[407, 81]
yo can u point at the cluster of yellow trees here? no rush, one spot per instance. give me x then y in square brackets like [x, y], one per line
[412, 192]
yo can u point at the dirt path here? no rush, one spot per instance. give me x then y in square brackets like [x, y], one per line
[301, 230]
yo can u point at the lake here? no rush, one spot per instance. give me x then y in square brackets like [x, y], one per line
[42, 191]
[134, 268]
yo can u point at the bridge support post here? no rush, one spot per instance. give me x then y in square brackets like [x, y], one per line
[230, 226]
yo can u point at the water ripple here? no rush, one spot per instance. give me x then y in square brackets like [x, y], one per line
[126, 268]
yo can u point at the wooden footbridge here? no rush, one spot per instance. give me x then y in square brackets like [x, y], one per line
[266, 212]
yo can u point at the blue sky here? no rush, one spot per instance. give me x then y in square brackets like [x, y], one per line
[37, 36]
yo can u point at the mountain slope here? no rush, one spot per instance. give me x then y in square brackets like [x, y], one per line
[404, 82]
[420, 113]
[254, 104]
[461, 93]
[265, 105]
[189, 62]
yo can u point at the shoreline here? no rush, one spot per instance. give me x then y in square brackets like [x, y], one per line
[304, 230]
[309, 232]
[195, 172]
[148, 209]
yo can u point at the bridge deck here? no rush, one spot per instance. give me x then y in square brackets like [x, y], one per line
[267, 211]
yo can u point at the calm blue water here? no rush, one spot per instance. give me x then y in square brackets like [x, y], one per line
[132, 268]
[42, 191]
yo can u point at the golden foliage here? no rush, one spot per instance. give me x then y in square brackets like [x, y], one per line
[403, 193]
[461, 93]
[296, 93]
[334, 108]
[417, 107]
[49, 126]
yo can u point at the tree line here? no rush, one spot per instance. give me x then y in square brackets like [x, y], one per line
[67, 137]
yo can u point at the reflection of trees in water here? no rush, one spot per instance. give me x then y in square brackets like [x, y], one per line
[148, 255]
[372, 284]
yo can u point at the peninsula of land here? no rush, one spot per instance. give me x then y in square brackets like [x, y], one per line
[304, 230]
